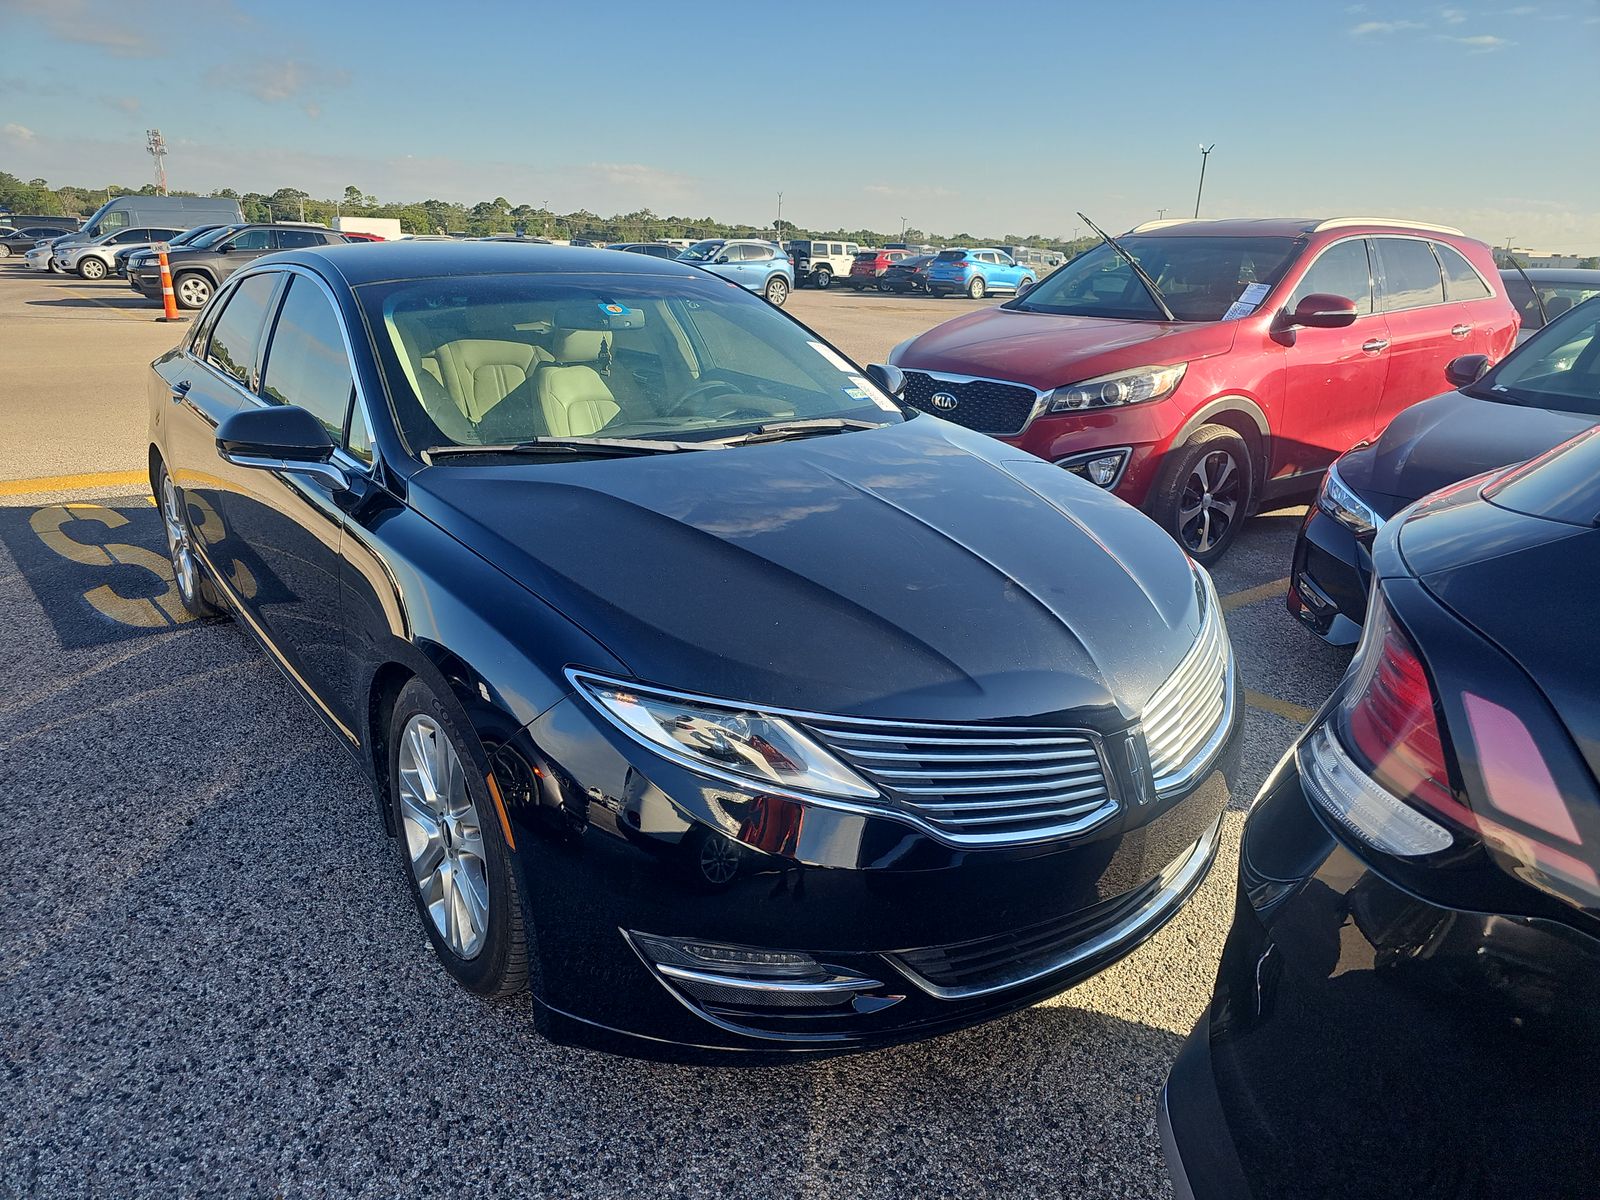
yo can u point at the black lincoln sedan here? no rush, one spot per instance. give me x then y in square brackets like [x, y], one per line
[712, 697]
[1543, 393]
[1406, 1002]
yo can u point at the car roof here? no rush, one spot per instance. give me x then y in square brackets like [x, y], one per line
[1285, 226]
[359, 264]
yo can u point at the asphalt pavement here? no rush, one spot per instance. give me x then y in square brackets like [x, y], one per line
[213, 982]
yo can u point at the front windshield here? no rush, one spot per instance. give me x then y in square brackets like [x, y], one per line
[1200, 278]
[489, 360]
[211, 237]
[1559, 367]
[701, 251]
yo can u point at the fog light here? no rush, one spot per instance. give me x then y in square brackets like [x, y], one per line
[1103, 468]
[716, 977]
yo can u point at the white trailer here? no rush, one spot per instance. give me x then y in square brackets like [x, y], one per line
[387, 228]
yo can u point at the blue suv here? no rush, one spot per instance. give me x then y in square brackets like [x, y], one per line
[760, 266]
[977, 273]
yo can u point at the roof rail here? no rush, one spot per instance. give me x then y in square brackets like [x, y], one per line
[1159, 224]
[1345, 222]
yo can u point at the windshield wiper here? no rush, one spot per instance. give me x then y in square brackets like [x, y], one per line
[613, 447]
[774, 431]
[1544, 317]
[1149, 284]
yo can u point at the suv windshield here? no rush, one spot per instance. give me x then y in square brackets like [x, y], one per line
[211, 237]
[702, 251]
[1200, 277]
[1559, 367]
[492, 360]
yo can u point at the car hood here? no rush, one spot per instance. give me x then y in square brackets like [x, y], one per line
[917, 570]
[1447, 439]
[1046, 351]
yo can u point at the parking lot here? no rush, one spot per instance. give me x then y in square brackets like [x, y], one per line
[212, 977]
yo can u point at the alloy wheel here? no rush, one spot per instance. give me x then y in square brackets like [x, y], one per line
[719, 859]
[1210, 501]
[193, 292]
[93, 268]
[444, 838]
[777, 291]
[179, 549]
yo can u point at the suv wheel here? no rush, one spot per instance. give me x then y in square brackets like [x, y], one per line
[1205, 491]
[191, 290]
[821, 277]
[776, 291]
[91, 267]
[977, 289]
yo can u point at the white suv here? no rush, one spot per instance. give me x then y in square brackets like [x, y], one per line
[96, 259]
[817, 262]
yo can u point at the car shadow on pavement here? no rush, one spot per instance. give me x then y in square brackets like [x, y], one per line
[123, 304]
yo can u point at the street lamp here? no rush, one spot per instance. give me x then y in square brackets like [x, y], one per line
[779, 223]
[1205, 153]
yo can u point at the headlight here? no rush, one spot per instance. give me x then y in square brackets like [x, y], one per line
[894, 355]
[1122, 387]
[722, 740]
[1340, 502]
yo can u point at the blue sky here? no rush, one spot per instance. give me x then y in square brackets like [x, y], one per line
[998, 118]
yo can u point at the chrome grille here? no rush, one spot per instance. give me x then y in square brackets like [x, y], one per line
[979, 785]
[987, 405]
[1192, 707]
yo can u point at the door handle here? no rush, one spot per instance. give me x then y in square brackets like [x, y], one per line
[1374, 345]
[179, 391]
[1460, 331]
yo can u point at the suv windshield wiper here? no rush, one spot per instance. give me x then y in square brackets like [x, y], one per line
[1144, 278]
[774, 431]
[613, 447]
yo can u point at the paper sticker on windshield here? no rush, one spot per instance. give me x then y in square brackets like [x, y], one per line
[864, 390]
[834, 359]
[1249, 300]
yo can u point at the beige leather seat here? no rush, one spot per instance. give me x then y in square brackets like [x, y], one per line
[478, 373]
[570, 393]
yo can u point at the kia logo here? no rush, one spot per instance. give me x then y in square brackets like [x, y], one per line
[943, 401]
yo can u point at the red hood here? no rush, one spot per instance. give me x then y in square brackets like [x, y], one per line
[1046, 351]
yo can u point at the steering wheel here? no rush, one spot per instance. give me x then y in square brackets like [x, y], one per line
[704, 388]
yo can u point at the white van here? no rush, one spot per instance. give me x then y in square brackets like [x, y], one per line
[164, 212]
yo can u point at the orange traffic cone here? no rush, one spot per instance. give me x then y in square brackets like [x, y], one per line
[169, 302]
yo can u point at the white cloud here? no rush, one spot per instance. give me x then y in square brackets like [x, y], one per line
[1452, 16]
[1482, 43]
[19, 135]
[1367, 28]
[276, 80]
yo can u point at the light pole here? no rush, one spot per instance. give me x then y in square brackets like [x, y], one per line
[1161, 214]
[1205, 153]
[778, 228]
[904, 225]
[545, 204]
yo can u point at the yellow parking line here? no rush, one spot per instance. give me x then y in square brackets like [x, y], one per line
[121, 312]
[1297, 713]
[71, 483]
[1264, 591]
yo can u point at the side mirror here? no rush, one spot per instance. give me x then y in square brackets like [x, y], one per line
[721, 258]
[1320, 310]
[890, 379]
[1467, 370]
[284, 438]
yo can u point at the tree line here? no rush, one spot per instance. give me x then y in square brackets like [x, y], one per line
[488, 216]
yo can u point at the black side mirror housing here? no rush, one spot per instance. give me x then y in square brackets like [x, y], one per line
[1467, 369]
[277, 431]
[890, 379]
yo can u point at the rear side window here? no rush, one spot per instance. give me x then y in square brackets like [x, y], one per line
[1342, 270]
[756, 254]
[293, 239]
[1461, 282]
[1411, 277]
[237, 332]
[306, 362]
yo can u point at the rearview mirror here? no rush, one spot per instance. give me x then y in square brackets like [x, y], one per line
[1467, 369]
[890, 379]
[283, 438]
[1322, 310]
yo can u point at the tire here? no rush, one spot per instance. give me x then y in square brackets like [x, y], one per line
[90, 267]
[191, 290]
[1024, 285]
[821, 278]
[776, 291]
[978, 288]
[884, 287]
[195, 591]
[5, 250]
[453, 853]
[1210, 476]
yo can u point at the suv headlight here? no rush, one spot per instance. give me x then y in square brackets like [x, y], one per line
[1121, 387]
[1339, 500]
[726, 741]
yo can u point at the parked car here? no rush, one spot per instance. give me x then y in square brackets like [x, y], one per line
[694, 699]
[1557, 291]
[24, 237]
[119, 260]
[94, 260]
[198, 269]
[977, 273]
[653, 249]
[42, 256]
[1544, 393]
[868, 266]
[1275, 346]
[759, 266]
[818, 261]
[1405, 1006]
[907, 275]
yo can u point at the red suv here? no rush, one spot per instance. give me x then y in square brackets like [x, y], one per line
[1268, 348]
[868, 266]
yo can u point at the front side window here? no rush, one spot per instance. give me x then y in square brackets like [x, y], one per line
[1344, 269]
[495, 359]
[306, 361]
[128, 236]
[1200, 277]
[1461, 282]
[114, 220]
[237, 330]
[253, 239]
[1559, 367]
[1411, 277]
[702, 252]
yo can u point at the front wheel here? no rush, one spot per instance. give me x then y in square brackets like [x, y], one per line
[1205, 491]
[191, 290]
[458, 864]
[195, 592]
[5, 250]
[92, 268]
[977, 289]
[776, 291]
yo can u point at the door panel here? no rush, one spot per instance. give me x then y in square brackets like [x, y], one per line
[1420, 324]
